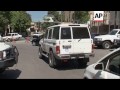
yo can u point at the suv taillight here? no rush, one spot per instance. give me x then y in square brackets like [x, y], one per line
[1, 55]
[57, 49]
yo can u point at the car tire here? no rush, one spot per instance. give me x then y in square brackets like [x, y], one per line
[52, 60]
[107, 45]
[2, 70]
[33, 43]
[40, 53]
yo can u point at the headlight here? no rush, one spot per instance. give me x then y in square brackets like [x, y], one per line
[4, 55]
[1, 55]
[99, 39]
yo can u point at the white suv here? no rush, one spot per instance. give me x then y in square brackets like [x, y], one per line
[66, 41]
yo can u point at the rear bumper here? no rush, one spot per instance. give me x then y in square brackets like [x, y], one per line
[73, 56]
[7, 63]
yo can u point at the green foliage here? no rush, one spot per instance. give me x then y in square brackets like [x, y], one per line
[19, 20]
[45, 25]
[55, 14]
[81, 16]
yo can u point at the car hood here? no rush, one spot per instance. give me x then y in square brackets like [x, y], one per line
[4, 46]
[105, 36]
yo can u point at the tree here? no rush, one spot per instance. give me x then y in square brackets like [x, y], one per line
[20, 20]
[81, 16]
[4, 20]
[56, 15]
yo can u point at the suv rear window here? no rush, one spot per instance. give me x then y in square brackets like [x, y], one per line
[80, 32]
[65, 33]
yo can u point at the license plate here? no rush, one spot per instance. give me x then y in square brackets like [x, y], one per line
[66, 47]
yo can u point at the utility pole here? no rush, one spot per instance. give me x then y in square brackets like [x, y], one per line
[115, 19]
[119, 19]
[109, 22]
[98, 28]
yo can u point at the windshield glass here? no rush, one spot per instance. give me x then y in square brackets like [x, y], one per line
[113, 32]
[8, 34]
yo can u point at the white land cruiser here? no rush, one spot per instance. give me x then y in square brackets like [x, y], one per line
[107, 41]
[8, 56]
[66, 41]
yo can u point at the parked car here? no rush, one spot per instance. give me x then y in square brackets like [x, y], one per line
[107, 41]
[66, 41]
[8, 56]
[36, 38]
[107, 67]
[11, 36]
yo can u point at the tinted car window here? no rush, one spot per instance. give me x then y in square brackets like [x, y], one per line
[46, 33]
[114, 64]
[113, 32]
[65, 33]
[56, 32]
[50, 34]
[119, 32]
[80, 32]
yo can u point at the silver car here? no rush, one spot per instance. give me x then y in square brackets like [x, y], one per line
[107, 67]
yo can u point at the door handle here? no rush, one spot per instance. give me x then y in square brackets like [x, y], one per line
[69, 41]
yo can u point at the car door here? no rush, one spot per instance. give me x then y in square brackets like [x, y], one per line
[43, 42]
[66, 41]
[82, 42]
[48, 40]
[112, 69]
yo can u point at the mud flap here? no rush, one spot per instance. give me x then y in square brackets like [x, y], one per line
[16, 54]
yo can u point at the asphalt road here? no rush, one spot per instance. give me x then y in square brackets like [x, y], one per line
[31, 67]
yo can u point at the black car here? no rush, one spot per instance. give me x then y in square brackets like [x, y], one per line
[35, 39]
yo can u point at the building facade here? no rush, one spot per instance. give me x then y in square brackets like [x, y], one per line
[106, 18]
[67, 16]
[115, 18]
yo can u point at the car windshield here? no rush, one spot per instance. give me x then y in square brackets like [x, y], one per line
[113, 32]
[8, 34]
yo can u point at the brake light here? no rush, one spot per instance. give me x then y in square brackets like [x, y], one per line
[57, 49]
[1, 55]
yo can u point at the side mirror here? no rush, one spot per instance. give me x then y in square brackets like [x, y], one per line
[99, 66]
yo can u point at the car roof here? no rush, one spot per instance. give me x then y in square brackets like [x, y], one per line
[69, 24]
[12, 33]
[117, 29]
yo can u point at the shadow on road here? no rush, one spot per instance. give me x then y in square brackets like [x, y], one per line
[67, 65]
[10, 74]
[70, 66]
